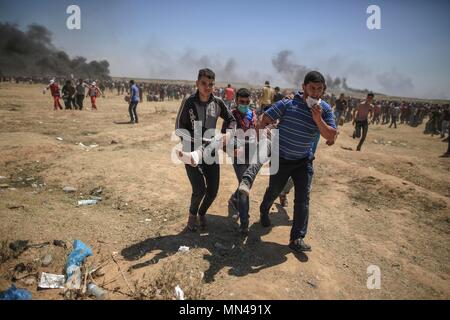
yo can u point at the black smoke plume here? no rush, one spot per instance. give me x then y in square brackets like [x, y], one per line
[32, 53]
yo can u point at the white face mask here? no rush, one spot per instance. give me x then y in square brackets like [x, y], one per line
[311, 102]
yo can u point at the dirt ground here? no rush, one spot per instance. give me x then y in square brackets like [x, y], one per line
[387, 206]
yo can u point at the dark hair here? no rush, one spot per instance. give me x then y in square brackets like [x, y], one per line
[267, 82]
[206, 73]
[277, 88]
[370, 94]
[229, 85]
[132, 81]
[314, 76]
[243, 92]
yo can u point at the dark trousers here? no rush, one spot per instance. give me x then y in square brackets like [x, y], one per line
[241, 201]
[364, 125]
[204, 181]
[69, 102]
[301, 172]
[393, 122]
[79, 101]
[132, 111]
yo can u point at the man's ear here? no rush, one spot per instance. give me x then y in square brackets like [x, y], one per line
[303, 87]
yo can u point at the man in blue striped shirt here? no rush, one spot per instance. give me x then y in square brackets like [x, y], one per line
[300, 120]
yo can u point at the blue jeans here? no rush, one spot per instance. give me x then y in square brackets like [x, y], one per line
[337, 115]
[241, 201]
[301, 172]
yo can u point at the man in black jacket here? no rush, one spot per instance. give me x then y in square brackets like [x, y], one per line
[195, 125]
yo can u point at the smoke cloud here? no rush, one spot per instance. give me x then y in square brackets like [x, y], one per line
[32, 53]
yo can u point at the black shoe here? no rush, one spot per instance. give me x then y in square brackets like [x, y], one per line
[283, 201]
[233, 211]
[192, 223]
[203, 224]
[265, 220]
[243, 228]
[299, 245]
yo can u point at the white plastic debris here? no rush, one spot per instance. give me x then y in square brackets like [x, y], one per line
[183, 249]
[87, 202]
[179, 293]
[51, 281]
[69, 189]
[59, 138]
[74, 281]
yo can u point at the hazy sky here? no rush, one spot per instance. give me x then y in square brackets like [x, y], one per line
[410, 55]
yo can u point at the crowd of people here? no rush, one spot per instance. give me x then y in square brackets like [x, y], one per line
[301, 118]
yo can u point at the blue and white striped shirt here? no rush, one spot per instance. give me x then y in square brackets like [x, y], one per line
[297, 129]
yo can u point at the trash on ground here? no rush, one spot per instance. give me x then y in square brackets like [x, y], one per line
[183, 249]
[51, 281]
[14, 293]
[96, 291]
[74, 261]
[87, 202]
[69, 189]
[179, 293]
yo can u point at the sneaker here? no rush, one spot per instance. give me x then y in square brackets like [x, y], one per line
[283, 200]
[299, 245]
[192, 223]
[203, 223]
[244, 187]
[265, 220]
[243, 228]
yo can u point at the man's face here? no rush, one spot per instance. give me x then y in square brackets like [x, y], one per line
[243, 101]
[205, 86]
[314, 89]
[369, 99]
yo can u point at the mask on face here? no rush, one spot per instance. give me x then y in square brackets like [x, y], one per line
[311, 102]
[243, 108]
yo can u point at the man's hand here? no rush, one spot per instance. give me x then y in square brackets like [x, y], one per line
[316, 113]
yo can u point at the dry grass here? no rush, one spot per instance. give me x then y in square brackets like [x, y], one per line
[171, 274]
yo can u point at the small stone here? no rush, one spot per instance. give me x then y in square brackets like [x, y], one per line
[59, 243]
[99, 273]
[114, 142]
[30, 281]
[4, 185]
[368, 210]
[47, 260]
[69, 189]
[59, 138]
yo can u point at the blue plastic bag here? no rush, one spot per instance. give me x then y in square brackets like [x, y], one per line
[76, 257]
[15, 294]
